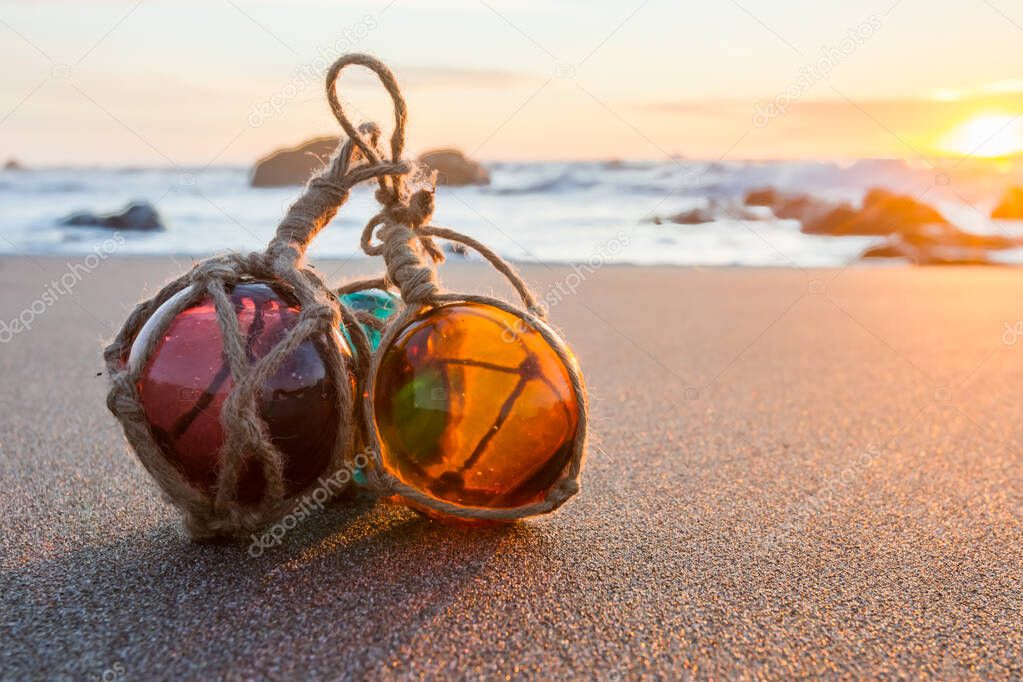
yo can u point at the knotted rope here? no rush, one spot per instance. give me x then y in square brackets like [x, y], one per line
[406, 241]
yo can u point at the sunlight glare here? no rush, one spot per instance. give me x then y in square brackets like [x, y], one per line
[987, 136]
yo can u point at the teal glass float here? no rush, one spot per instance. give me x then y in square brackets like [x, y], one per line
[379, 303]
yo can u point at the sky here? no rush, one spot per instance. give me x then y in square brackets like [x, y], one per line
[158, 83]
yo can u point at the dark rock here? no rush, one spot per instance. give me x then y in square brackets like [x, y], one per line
[883, 213]
[13, 165]
[903, 209]
[1011, 206]
[942, 254]
[932, 236]
[800, 208]
[942, 245]
[761, 197]
[453, 168]
[696, 216]
[835, 221]
[921, 234]
[815, 215]
[888, 249]
[138, 216]
[456, 249]
[713, 212]
[945, 255]
[915, 231]
[293, 166]
[727, 211]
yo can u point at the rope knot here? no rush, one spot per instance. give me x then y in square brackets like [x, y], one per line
[401, 223]
[323, 314]
[213, 269]
[335, 191]
[420, 208]
[257, 263]
[406, 267]
[371, 130]
[416, 212]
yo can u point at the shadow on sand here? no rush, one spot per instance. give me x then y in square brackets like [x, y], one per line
[349, 586]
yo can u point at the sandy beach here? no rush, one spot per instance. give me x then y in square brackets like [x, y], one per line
[792, 474]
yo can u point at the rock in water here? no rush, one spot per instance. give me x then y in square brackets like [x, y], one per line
[138, 216]
[906, 209]
[713, 212]
[761, 197]
[927, 255]
[456, 249]
[883, 213]
[696, 216]
[1011, 206]
[13, 165]
[942, 245]
[892, 248]
[816, 216]
[293, 166]
[453, 168]
[912, 229]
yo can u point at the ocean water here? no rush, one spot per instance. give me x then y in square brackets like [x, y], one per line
[549, 212]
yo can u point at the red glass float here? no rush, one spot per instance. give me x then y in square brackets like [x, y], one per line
[186, 380]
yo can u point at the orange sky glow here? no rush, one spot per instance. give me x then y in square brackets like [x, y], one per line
[120, 83]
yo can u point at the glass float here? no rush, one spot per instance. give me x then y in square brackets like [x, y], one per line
[473, 406]
[378, 302]
[186, 380]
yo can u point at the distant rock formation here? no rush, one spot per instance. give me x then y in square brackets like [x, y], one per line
[138, 216]
[914, 230]
[762, 197]
[695, 216]
[882, 213]
[709, 214]
[456, 249]
[453, 168]
[928, 254]
[293, 166]
[1011, 206]
[13, 165]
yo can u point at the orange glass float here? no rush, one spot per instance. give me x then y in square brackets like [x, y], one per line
[474, 407]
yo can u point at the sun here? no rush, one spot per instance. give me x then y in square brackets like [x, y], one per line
[987, 136]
